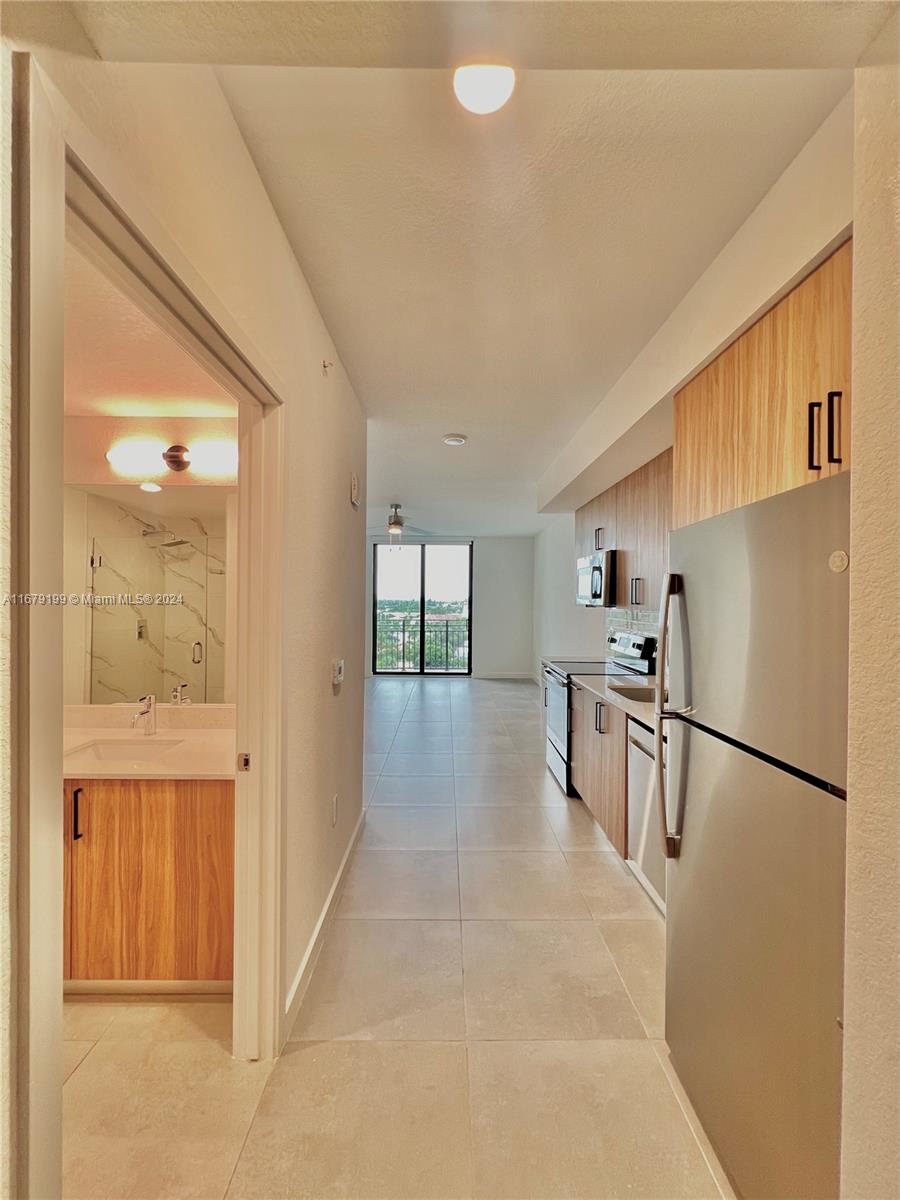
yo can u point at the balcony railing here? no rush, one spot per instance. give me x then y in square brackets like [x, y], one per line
[397, 644]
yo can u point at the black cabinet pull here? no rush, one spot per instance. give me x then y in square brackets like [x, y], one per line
[598, 538]
[811, 464]
[598, 710]
[76, 832]
[636, 581]
[545, 697]
[833, 398]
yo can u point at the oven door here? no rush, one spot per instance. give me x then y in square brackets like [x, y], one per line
[557, 697]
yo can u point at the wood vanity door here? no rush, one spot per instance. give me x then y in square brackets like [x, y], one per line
[152, 880]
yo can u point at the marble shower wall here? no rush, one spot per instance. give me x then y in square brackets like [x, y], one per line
[139, 648]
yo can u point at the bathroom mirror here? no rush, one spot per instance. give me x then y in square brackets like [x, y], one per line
[154, 599]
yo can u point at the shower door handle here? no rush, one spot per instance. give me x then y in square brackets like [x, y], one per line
[197, 652]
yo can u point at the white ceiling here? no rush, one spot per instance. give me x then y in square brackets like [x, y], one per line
[496, 275]
[118, 362]
[199, 501]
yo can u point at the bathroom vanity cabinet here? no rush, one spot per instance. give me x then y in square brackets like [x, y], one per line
[149, 879]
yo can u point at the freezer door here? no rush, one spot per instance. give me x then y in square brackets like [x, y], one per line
[754, 925]
[759, 632]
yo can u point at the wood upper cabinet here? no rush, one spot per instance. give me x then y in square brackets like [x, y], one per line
[772, 412]
[595, 524]
[150, 880]
[643, 520]
[604, 790]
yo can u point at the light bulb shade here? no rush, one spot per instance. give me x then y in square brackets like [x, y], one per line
[137, 457]
[483, 88]
[146, 486]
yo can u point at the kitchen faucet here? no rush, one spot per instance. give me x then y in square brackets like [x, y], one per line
[146, 715]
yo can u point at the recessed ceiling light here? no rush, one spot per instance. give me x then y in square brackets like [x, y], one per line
[483, 88]
[150, 487]
[455, 439]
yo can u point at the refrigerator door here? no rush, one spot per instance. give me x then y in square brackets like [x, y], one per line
[754, 926]
[758, 638]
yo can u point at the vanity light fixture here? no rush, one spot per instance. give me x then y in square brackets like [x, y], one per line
[177, 458]
[483, 88]
[137, 457]
[454, 439]
[150, 487]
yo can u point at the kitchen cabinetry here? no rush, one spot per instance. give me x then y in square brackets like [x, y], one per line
[577, 738]
[604, 790]
[149, 879]
[772, 412]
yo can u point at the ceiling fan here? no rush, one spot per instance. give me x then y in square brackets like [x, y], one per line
[397, 525]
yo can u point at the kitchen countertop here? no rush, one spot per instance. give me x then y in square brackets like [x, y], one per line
[166, 754]
[640, 710]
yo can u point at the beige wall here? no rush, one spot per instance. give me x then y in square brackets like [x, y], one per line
[164, 141]
[562, 628]
[871, 1110]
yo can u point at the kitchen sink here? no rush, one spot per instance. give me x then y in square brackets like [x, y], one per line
[124, 751]
[644, 695]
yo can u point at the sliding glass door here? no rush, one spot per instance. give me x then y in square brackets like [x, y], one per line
[422, 609]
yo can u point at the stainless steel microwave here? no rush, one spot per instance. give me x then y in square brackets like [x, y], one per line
[596, 580]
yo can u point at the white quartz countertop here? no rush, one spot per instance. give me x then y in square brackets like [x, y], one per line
[104, 753]
[601, 686]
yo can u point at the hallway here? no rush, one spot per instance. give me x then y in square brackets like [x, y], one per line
[485, 1018]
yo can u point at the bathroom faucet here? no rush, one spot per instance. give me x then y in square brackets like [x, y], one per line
[146, 715]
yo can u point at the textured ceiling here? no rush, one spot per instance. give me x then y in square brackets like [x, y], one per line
[119, 363]
[531, 33]
[496, 275]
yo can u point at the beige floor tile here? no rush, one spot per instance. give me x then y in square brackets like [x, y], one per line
[422, 827]
[535, 764]
[518, 886]
[87, 1020]
[370, 782]
[639, 951]
[543, 979]
[418, 764]
[411, 740]
[413, 789]
[608, 886]
[470, 726]
[386, 981]
[503, 828]
[579, 1119]
[74, 1053]
[548, 793]
[487, 764]
[576, 829]
[369, 1120]
[173, 1021]
[493, 790]
[379, 738]
[421, 718]
[398, 884]
[147, 1120]
[483, 743]
[373, 763]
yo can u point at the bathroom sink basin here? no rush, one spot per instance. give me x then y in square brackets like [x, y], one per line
[124, 751]
[643, 694]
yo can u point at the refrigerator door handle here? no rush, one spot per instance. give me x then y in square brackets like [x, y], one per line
[671, 842]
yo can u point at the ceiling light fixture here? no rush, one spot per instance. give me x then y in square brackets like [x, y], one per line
[177, 458]
[137, 457]
[483, 88]
[150, 487]
[454, 439]
[395, 522]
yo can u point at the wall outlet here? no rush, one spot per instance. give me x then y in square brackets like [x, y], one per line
[334, 807]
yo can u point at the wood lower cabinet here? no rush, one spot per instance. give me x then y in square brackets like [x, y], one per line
[772, 412]
[149, 879]
[605, 759]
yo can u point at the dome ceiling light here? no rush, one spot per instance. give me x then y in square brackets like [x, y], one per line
[454, 439]
[483, 88]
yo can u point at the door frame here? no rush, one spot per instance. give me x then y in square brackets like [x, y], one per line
[63, 179]
[423, 545]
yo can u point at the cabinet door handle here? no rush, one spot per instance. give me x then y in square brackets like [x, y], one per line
[197, 652]
[545, 697]
[811, 464]
[598, 717]
[638, 582]
[76, 831]
[598, 538]
[833, 399]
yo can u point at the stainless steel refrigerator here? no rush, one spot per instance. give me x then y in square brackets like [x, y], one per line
[754, 806]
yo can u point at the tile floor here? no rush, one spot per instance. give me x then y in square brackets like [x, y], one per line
[485, 1019]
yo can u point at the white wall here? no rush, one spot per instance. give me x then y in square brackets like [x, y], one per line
[871, 1108]
[163, 140]
[562, 628]
[502, 616]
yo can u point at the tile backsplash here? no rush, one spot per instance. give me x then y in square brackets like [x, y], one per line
[632, 620]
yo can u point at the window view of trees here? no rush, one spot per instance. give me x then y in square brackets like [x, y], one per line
[400, 608]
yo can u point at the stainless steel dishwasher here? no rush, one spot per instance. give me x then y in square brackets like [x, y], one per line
[645, 855]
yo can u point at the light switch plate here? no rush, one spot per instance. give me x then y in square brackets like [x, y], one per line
[337, 671]
[354, 490]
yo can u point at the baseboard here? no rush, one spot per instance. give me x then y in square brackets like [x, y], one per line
[147, 987]
[300, 983]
